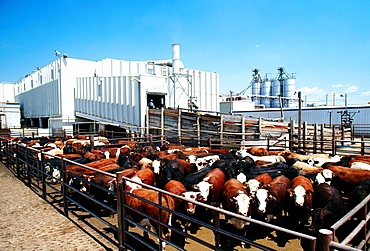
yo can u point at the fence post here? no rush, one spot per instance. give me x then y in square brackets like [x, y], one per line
[121, 211]
[324, 238]
[179, 125]
[64, 187]
[42, 168]
[304, 135]
[322, 138]
[28, 168]
[333, 140]
[291, 135]
[315, 138]
[362, 146]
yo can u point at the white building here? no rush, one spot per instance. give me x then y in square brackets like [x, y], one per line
[10, 113]
[112, 91]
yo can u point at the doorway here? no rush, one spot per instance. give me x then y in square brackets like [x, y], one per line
[157, 100]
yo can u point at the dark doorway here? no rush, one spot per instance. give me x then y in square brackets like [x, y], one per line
[157, 100]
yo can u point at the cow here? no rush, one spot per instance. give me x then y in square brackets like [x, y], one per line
[235, 199]
[196, 177]
[347, 178]
[271, 198]
[254, 184]
[300, 191]
[241, 154]
[147, 176]
[297, 167]
[328, 207]
[181, 206]
[211, 186]
[151, 210]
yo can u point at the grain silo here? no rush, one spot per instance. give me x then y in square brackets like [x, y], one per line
[266, 91]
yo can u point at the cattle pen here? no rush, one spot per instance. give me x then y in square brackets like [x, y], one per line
[111, 221]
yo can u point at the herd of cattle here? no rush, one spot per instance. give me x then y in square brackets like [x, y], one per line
[312, 191]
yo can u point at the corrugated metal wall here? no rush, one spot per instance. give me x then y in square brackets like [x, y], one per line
[319, 115]
[42, 101]
[112, 98]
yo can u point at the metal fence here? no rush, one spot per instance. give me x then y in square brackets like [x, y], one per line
[32, 167]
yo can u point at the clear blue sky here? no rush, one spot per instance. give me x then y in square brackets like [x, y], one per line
[325, 43]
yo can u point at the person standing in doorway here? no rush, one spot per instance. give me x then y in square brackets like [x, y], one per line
[151, 104]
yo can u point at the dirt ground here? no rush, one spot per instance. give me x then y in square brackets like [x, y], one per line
[27, 222]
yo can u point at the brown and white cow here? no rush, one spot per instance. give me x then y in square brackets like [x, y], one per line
[235, 199]
[211, 186]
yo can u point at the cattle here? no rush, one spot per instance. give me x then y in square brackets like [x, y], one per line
[152, 211]
[211, 186]
[319, 161]
[204, 161]
[196, 177]
[176, 187]
[360, 165]
[258, 151]
[301, 157]
[359, 193]
[324, 176]
[147, 176]
[273, 169]
[236, 200]
[297, 167]
[347, 178]
[328, 207]
[172, 170]
[254, 184]
[300, 191]
[241, 154]
[271, 198]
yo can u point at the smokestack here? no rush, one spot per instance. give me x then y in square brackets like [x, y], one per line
[177, 65]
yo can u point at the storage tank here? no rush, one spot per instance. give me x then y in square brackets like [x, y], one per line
[177, 64]
[275, 91]
[256, 90]
[266, 91]
[288, 91]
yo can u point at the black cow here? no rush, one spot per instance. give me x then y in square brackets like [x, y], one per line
[328, 207]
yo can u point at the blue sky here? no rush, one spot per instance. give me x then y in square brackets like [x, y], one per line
[326, 44]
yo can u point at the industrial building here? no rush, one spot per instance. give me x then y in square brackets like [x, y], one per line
[10, 114]
[68, 91]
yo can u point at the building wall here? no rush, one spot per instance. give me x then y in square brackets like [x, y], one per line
[7, 92]
[312, 115]
[10, 115]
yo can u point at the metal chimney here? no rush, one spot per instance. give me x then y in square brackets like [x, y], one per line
[177, 65]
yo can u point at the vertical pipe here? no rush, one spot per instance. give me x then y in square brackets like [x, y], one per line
[315, 138]
[179, 125]
[322, 138]
[42, 168]
[324, 238]
[28, 168]
[333, 140]
[162, 121]
[304, 135]
[299, 118]
[122, 226]
[64, 187]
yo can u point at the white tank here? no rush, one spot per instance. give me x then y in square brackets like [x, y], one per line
[256, 90]
[266, 91]
[275, 91]
[288, 91]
